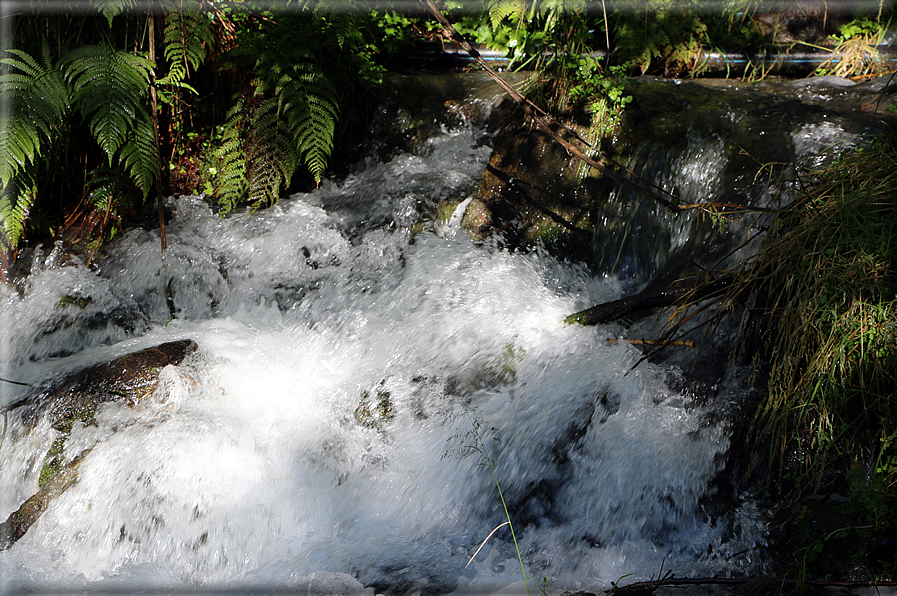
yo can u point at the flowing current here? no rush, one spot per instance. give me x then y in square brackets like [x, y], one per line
[365, 379]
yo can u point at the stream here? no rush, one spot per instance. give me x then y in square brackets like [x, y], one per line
[366, 379]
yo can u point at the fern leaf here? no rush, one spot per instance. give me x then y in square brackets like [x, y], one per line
[16, 199]
[272, 158]
[229, 180]
[110, 88]
[140, 156]
[39, 102]
[514, 10]
[309, 105]
[112, 8]
[188, 36]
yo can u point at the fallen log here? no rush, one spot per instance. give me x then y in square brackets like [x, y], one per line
[695, 289]
[125, 379]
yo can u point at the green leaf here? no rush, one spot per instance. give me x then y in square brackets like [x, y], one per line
[188, 36]
[39, 103]
[111, 90]
[139, 155]
[16, 200]
[229, 178]
[112, 8]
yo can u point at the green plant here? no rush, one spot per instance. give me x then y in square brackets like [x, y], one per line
[110, 89]
[672, 38]
[38, 102]
[480, 448]
[855, 52]
[829, 278]
[107, 88]
[270, 87]
[290, 119]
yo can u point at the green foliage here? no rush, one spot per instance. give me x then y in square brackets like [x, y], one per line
[308, 107]
[38, 101]
[291, 120]
[672, 37]
[139, 154]
[16, 200]
[112, 8]
[832, 273]
[855, 51]
[228, 173]
[110, 88]
[540, 34]
[289, 73]
[864, 27]
[270, 156]
[187, 39]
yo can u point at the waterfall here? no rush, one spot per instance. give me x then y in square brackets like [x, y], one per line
[361, 383]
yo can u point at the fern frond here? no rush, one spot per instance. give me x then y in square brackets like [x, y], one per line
[271, 155]
[140, 156]
[188, 37]
[112, 8]
[513, 10]
[111, 89]
[309, 105]
[16, 199]
[229, 179]
[39, 101]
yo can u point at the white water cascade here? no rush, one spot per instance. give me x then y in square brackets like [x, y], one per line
[360, 384]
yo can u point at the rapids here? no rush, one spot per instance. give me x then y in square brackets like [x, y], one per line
[366, 379]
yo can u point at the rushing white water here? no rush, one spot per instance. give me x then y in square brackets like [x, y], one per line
[355, 389]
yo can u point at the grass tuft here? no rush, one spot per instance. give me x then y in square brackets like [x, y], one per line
[827, 292]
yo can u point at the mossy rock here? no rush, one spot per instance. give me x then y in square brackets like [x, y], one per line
[18, 523]
[75, 399]
[375, 409]
[532, 191]
[54, 461]
[124, 380]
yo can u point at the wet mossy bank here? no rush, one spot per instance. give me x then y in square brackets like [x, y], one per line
[700, 141]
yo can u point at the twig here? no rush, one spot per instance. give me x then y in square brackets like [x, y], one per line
[654, 342]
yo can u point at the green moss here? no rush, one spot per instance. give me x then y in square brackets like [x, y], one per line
[374, 410]
[72, 300]
[54, 461]
[445, 209]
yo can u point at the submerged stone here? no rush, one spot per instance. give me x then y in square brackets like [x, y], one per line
[18, 523]
[125, 380]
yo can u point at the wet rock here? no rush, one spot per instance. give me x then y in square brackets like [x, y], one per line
[76, 398]
[18, 523]
[376, 408]
[533, 191]
[124, 380]
[804, 21]
[409, 110]
[697, 140]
